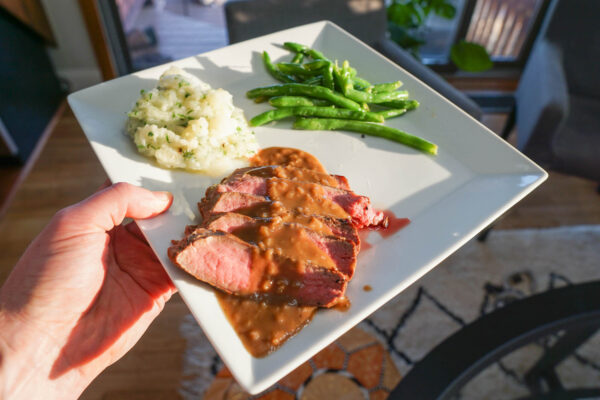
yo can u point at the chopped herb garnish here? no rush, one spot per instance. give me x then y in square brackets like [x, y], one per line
[150, 96]
[150, 134]
[187, 94]
[142, 92]
[178, 104]
[180, 84]
[239, 129]
[172, 115]
[151, 146]
[188, 154]
[141, 147]
[189, 111]
[185, 117]
[168, 141]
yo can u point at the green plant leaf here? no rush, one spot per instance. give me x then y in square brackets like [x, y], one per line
[409, 14]
[401, 15]
[417, 12]
[470, 57]
[446, 10]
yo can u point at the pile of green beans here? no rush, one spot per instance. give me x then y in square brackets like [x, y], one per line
[326, 96]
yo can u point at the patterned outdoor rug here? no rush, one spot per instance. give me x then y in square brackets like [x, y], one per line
[477, 279]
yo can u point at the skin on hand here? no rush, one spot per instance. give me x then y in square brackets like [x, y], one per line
[81, 296]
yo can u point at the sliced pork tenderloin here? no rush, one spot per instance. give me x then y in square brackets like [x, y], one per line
[359, 208]
[234, 266]
[292, 173]
[341, 251]
[260, 206]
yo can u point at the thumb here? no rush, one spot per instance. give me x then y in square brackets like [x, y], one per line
[107, 208]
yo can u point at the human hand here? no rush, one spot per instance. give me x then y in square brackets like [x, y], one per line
[81, 296]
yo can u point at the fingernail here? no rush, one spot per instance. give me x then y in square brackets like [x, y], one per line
[164, 196]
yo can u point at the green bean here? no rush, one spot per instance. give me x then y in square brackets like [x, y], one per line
[391, 113]
[298, 58]
[316, 65]
[358, 81]
[354, 75]
[296, 101]
[300, 48]
[328, 77]
[275, 73]
[319, 92]
[346, 66]
[260, 99]
[337, 78]
[314, 80]
[296, 69]
[374, 98]
[341, 79]
[327, 112]
[385, 87]
[369, 129]
[346, 84]
[295, 47]
[315, 54]
[354, 79]
[408, 104]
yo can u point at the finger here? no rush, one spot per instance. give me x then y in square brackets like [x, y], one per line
[136, 258]
[107, 208]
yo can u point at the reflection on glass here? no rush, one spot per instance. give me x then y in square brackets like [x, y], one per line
[439, 36]
[502, 26]
[158, 31]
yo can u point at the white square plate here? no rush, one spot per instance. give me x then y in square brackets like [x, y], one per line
[449, 198]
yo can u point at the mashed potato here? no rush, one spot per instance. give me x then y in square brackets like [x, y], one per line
[183, 123]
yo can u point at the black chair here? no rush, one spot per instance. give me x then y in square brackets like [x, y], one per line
[365, 19]
[557, 109]
[573, 310]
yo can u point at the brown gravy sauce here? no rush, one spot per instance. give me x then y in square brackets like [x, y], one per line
[263, 324]
[305, 197]
[307, 175]
[268, 210]
[288, 240]
[287, 156]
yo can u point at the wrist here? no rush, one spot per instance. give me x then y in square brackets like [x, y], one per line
[26, 360]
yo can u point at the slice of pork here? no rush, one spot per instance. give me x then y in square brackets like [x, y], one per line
[243, 203]
[234, 266]
[359, 208]
[342, 252]
[292, 173]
